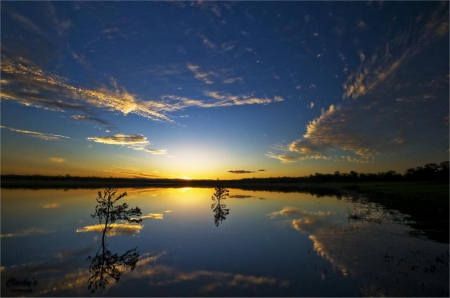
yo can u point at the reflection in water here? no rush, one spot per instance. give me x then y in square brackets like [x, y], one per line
[321, 253]
[105, 264]
[374, 248]
[220, 210]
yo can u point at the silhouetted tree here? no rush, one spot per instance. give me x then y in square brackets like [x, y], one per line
[105, 264]
[429, 172]
[219, 209]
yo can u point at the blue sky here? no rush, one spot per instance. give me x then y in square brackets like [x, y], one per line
[222, 89]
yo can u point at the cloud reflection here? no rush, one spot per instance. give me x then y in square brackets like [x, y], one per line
[27, 232]
[293, 211]
[392, 262]
[116, 229]
[153, 216]
[62, 277]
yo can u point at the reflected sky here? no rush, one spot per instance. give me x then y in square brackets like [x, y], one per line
[290, 244]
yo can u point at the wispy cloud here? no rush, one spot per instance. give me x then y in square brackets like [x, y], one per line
[50, 206]
[57, 159]
[30, 85]
[121, 139]
[376, 122]
[233, 80]
[225, 99]
[240, 172]
[207, 42]
[27, 23]
[156, 151]
[92, 119]
[24, 82]
[133, 141]
[377, 70]
[220, 100]
[208, 7]
[39, 135]
[205, 77]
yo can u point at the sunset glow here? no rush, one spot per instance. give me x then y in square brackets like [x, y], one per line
[229, 90]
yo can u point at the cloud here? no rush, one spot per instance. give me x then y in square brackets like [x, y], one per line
[27, 23]
[208, 7]
[121, 139]
[231, 100]
[377, 70]
[92, 119]
[233, 80]
[153, 216]
[39, 135]
[30, 85]
[130, 172]
[156, 151]
[207, 41]
[278, 98]
[376, 122]
[205, 77]
[133, 141]
[261, 170]
[116, 229]
[52, 205]
[361, 25]
[24, 82]
[220, 100]
[240, 172]
[57, 159]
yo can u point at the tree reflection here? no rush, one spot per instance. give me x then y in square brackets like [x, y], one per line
[105, 265]
[220, 210]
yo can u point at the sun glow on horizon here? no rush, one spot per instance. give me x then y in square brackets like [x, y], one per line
[239, 94]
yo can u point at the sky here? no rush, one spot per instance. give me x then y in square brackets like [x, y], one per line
[229, 90]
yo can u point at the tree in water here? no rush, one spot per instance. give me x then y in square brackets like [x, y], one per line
[105, 264]
[220, 210]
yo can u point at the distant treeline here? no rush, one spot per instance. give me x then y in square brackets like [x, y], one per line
[430, 172]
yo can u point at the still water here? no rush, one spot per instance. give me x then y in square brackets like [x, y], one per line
[254, 243]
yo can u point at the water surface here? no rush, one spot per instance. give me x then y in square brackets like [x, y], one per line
[256, 244]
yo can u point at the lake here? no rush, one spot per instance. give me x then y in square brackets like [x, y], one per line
[253, 243]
